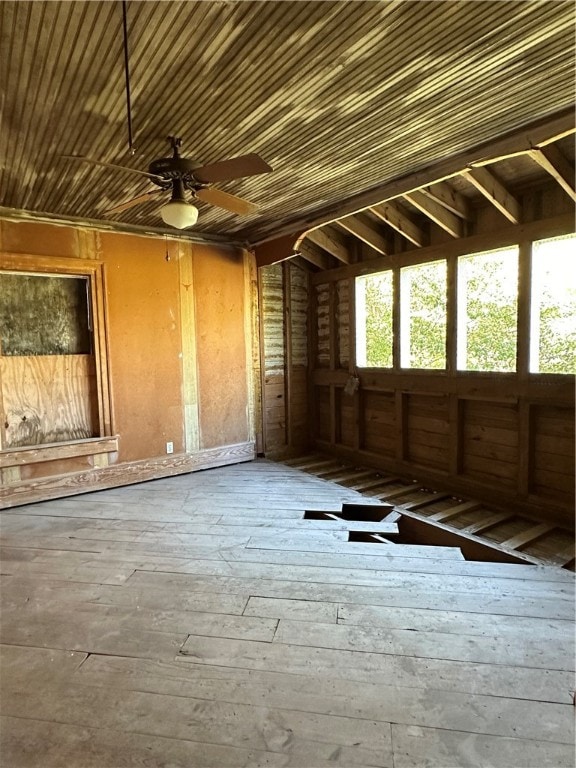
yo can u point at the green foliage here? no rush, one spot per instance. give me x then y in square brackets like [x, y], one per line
[426, 315]
[491, 312]
[488, 315]
[557, 342]
[379, 327]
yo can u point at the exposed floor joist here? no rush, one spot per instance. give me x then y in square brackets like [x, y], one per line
[498, 531]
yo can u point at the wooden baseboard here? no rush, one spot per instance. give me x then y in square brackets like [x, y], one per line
[97, 479]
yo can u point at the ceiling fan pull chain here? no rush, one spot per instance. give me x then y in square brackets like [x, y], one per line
[127, 76]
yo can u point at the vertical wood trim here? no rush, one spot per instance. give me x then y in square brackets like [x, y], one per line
[251, 341]
[401, 410]
[188, 341]
[451, 313]
[101, 350]
[357, 396]
[333, 325]
[523, 327]
[334, 355]
[526, 442]
[312, 359]
[287, 326]
[396, 319]
[352, 325]
[456, 424]
[334, 421]
[262, 349]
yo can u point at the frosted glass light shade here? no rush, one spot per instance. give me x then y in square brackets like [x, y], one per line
[179, 214]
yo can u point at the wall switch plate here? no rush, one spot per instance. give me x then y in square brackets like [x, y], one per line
[169, 447]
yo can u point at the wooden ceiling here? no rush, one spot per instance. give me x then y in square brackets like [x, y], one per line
[341, 98]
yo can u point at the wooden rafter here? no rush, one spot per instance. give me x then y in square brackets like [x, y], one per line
[365, 231]
[437, 213]
[316, 256]
[445, 194]
[554, 162]
[273, 251]
[391, 213]
[494, 191]
[330, 241]
[539, 134]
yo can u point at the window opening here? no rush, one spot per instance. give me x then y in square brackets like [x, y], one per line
[487, 310]
[553, 306]
[374, 320]
[423, 316]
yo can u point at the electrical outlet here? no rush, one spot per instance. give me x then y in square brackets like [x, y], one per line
[169, 447]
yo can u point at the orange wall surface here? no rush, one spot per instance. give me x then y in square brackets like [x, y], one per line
[222, 385]
[144, 332]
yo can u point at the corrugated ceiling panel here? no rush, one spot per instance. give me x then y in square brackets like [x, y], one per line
[338, 97]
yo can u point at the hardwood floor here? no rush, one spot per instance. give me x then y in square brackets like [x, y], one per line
[199, 621]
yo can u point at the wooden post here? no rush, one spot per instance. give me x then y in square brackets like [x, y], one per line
[287, 327]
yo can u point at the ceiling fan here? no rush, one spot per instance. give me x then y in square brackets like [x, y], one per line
[177, 174]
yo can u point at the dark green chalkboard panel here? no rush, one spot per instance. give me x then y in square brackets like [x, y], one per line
[43, 315]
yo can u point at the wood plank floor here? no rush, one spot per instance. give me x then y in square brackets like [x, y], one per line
[200, 621]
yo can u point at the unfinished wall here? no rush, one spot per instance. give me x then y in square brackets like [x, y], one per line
[507, 438]
[284, 351]
[173, 357]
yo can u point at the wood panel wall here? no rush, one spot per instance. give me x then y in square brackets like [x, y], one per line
[507, 439]
[174, 361]
[504, 438]
[47, 399]
[284, 310]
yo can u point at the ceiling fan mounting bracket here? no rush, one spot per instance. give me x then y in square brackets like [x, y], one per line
[175, 167]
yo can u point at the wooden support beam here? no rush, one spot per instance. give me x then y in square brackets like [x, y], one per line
[316, 256]
[494, 191]
[446, 195]
[437, 213]
[554, 162]
[528, 537]
[361, 228]
[331, 241]
[277, 250]
[393, 215]
[489, 522]
[459, 509]
[517, 142]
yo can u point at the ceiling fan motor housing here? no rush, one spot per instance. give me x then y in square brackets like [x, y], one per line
[173, 168]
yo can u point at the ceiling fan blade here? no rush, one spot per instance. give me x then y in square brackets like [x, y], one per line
[235, 168]
[226, 200]
[82, 159]
[131, 203]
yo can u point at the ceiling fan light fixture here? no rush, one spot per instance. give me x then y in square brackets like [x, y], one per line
[179, 214]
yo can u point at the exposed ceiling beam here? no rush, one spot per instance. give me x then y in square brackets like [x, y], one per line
[437, 213]
[277, 250]
[365, 231]
[516, 142]
[445, 194]
[554, 162]
[391, 213]
[330, 241]
[316, 256]
[494, 191]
